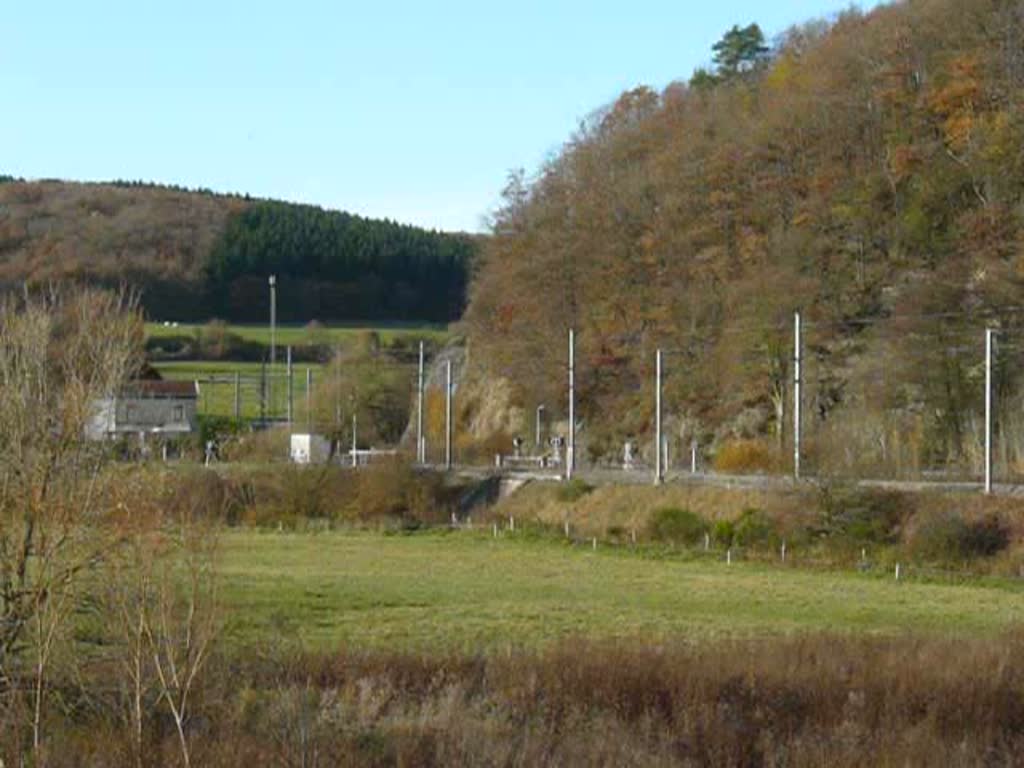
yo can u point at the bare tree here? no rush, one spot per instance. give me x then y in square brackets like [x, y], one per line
[181, 620]
[60, 355]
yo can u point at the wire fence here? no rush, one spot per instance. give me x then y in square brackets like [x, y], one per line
[875, 564]
[934, 402]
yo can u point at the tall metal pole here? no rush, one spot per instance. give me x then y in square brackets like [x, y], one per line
[570, 450]
[448, 414]
[273, 341]
[989, 334]
[659, 468]
[796, 395]
[420, 447]
[238, 395]
[273, 318]
[291, 394]
[309, 398]
[355, 459]
[337, 391]
[536, 427]
[263, 391]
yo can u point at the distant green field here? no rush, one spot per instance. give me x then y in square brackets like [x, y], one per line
[296, 335]
[468, 591]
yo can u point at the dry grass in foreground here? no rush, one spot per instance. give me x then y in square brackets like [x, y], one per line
[809, 701]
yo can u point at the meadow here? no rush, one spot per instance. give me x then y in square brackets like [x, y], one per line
[297, 335]
[467, 592]
[217, 398]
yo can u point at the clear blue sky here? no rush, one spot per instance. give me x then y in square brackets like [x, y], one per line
[412, 111]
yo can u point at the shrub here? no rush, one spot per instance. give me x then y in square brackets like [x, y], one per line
[724, 533]
[393, 490]
[266, 445]
[218, 429]
[483, 450]
[675, 525]
[745, 456]
[862, 515]
[754, 527]
[948, 537]
[573, 490]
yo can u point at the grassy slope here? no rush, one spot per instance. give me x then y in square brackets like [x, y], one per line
[297, 334]
[466, 591]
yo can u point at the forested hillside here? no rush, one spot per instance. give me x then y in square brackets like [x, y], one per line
[869, 171]
[196, 255]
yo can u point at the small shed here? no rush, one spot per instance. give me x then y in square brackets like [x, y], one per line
[309, 449]
[147, 407]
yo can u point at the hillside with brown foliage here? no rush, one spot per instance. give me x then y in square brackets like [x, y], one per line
[868, 171]
[196, 255]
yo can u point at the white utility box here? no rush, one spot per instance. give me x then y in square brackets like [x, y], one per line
[309, 449]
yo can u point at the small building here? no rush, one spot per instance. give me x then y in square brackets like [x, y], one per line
[309, 449]
[147, 407]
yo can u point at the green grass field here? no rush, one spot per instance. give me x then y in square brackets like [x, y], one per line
[466, 591]
[296, 335]
[218, 399]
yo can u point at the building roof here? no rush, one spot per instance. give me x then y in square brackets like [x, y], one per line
[160, 388]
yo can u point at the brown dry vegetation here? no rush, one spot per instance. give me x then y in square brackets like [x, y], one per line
[867, 173]
[386, 494]
[807, 701]
[829, 523]
[195, 255]
[156, 238]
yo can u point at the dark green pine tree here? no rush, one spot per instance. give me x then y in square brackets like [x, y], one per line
[740, 50]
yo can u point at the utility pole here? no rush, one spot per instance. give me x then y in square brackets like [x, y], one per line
[263, 391]
[355, 444]
[273, 318]
[291, 394]
[989, 340]
[309, 397]
[659, 468]
[570, 449]
[796, 395]
[448, 414]
[238, 396]
[337, 390]
[536, 427]
[420, 446]
[272, 280]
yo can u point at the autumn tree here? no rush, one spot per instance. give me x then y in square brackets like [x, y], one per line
[867, 170]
